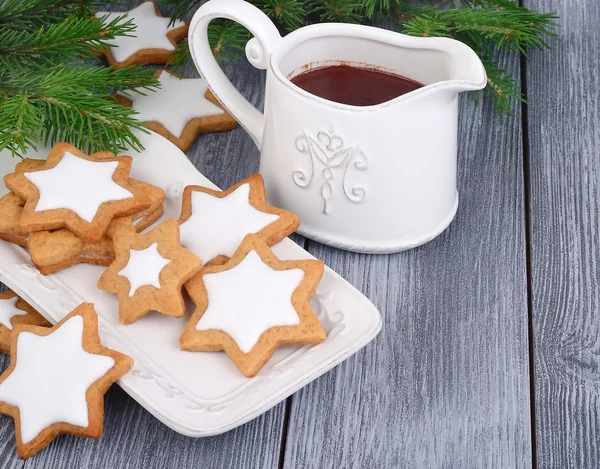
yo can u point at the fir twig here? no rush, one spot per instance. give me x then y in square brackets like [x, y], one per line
[338, 11]
[286, 14]
[72, 39]
[31, 14]
[227, 40]
[69, 103]
[511, 29]
[503, 87]
[47, 92]
[180, 9]
[20, 123]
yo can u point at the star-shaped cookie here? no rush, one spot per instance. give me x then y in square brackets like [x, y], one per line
[152, 42]
[149, 271]
[14, 311]
[54, 250]
[214, 223]
[180, 110]
[57, 379]
[141, 220]
[253, 304]
[76, 191]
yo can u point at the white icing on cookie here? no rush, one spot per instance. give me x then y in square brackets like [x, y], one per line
[51, 378]
[79, 185]
[177, 102]
[150, 32]
[217, 225]
[249, 299]
[144, 268]
[8, 310]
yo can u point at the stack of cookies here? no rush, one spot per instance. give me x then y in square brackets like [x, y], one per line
[220, 249]
[65, 209]
[57, 382]
[74, 208]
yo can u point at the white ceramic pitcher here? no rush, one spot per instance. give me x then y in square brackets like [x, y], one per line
[363, 178]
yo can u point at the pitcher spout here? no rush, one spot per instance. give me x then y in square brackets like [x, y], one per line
[464, 70]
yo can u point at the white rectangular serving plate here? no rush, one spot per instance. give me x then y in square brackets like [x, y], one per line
[196, 394]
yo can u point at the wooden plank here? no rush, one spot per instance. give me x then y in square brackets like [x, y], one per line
[564, 175]
[134, 439]
[446, 382]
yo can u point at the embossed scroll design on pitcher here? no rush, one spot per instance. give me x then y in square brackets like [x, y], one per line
[328, 149]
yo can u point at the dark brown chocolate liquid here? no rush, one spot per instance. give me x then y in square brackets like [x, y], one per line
[356, 86]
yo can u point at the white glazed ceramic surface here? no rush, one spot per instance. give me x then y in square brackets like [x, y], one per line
[374, 178]
[197, 394]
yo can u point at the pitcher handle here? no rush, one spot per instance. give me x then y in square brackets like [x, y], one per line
[258, 52]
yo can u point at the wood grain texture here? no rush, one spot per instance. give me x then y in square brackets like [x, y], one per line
[564, 174]
[446, 383]
[134, 439]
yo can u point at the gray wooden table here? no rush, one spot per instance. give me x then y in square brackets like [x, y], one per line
[489, 355]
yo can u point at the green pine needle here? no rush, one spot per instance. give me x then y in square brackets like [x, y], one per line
[227, 40]
[503, 87]
[180, 9]
[372, 7]
[47, 92]
[288, 14]
[337, 11]
[20, 123]
[71, 39]
[31, 14]
[511, 29]
[69, 103]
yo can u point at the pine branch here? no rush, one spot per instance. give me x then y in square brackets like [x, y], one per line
[69, 103]
[512, 29]
[372, 7]
[227, 40]
[47, 93]
[72, 39]
[503, 87]
[337, 11]
[181, 8]
[286, 14]
[20, 123]
[31, 14]
[103, 80]
[88, 121]
[178, 59]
